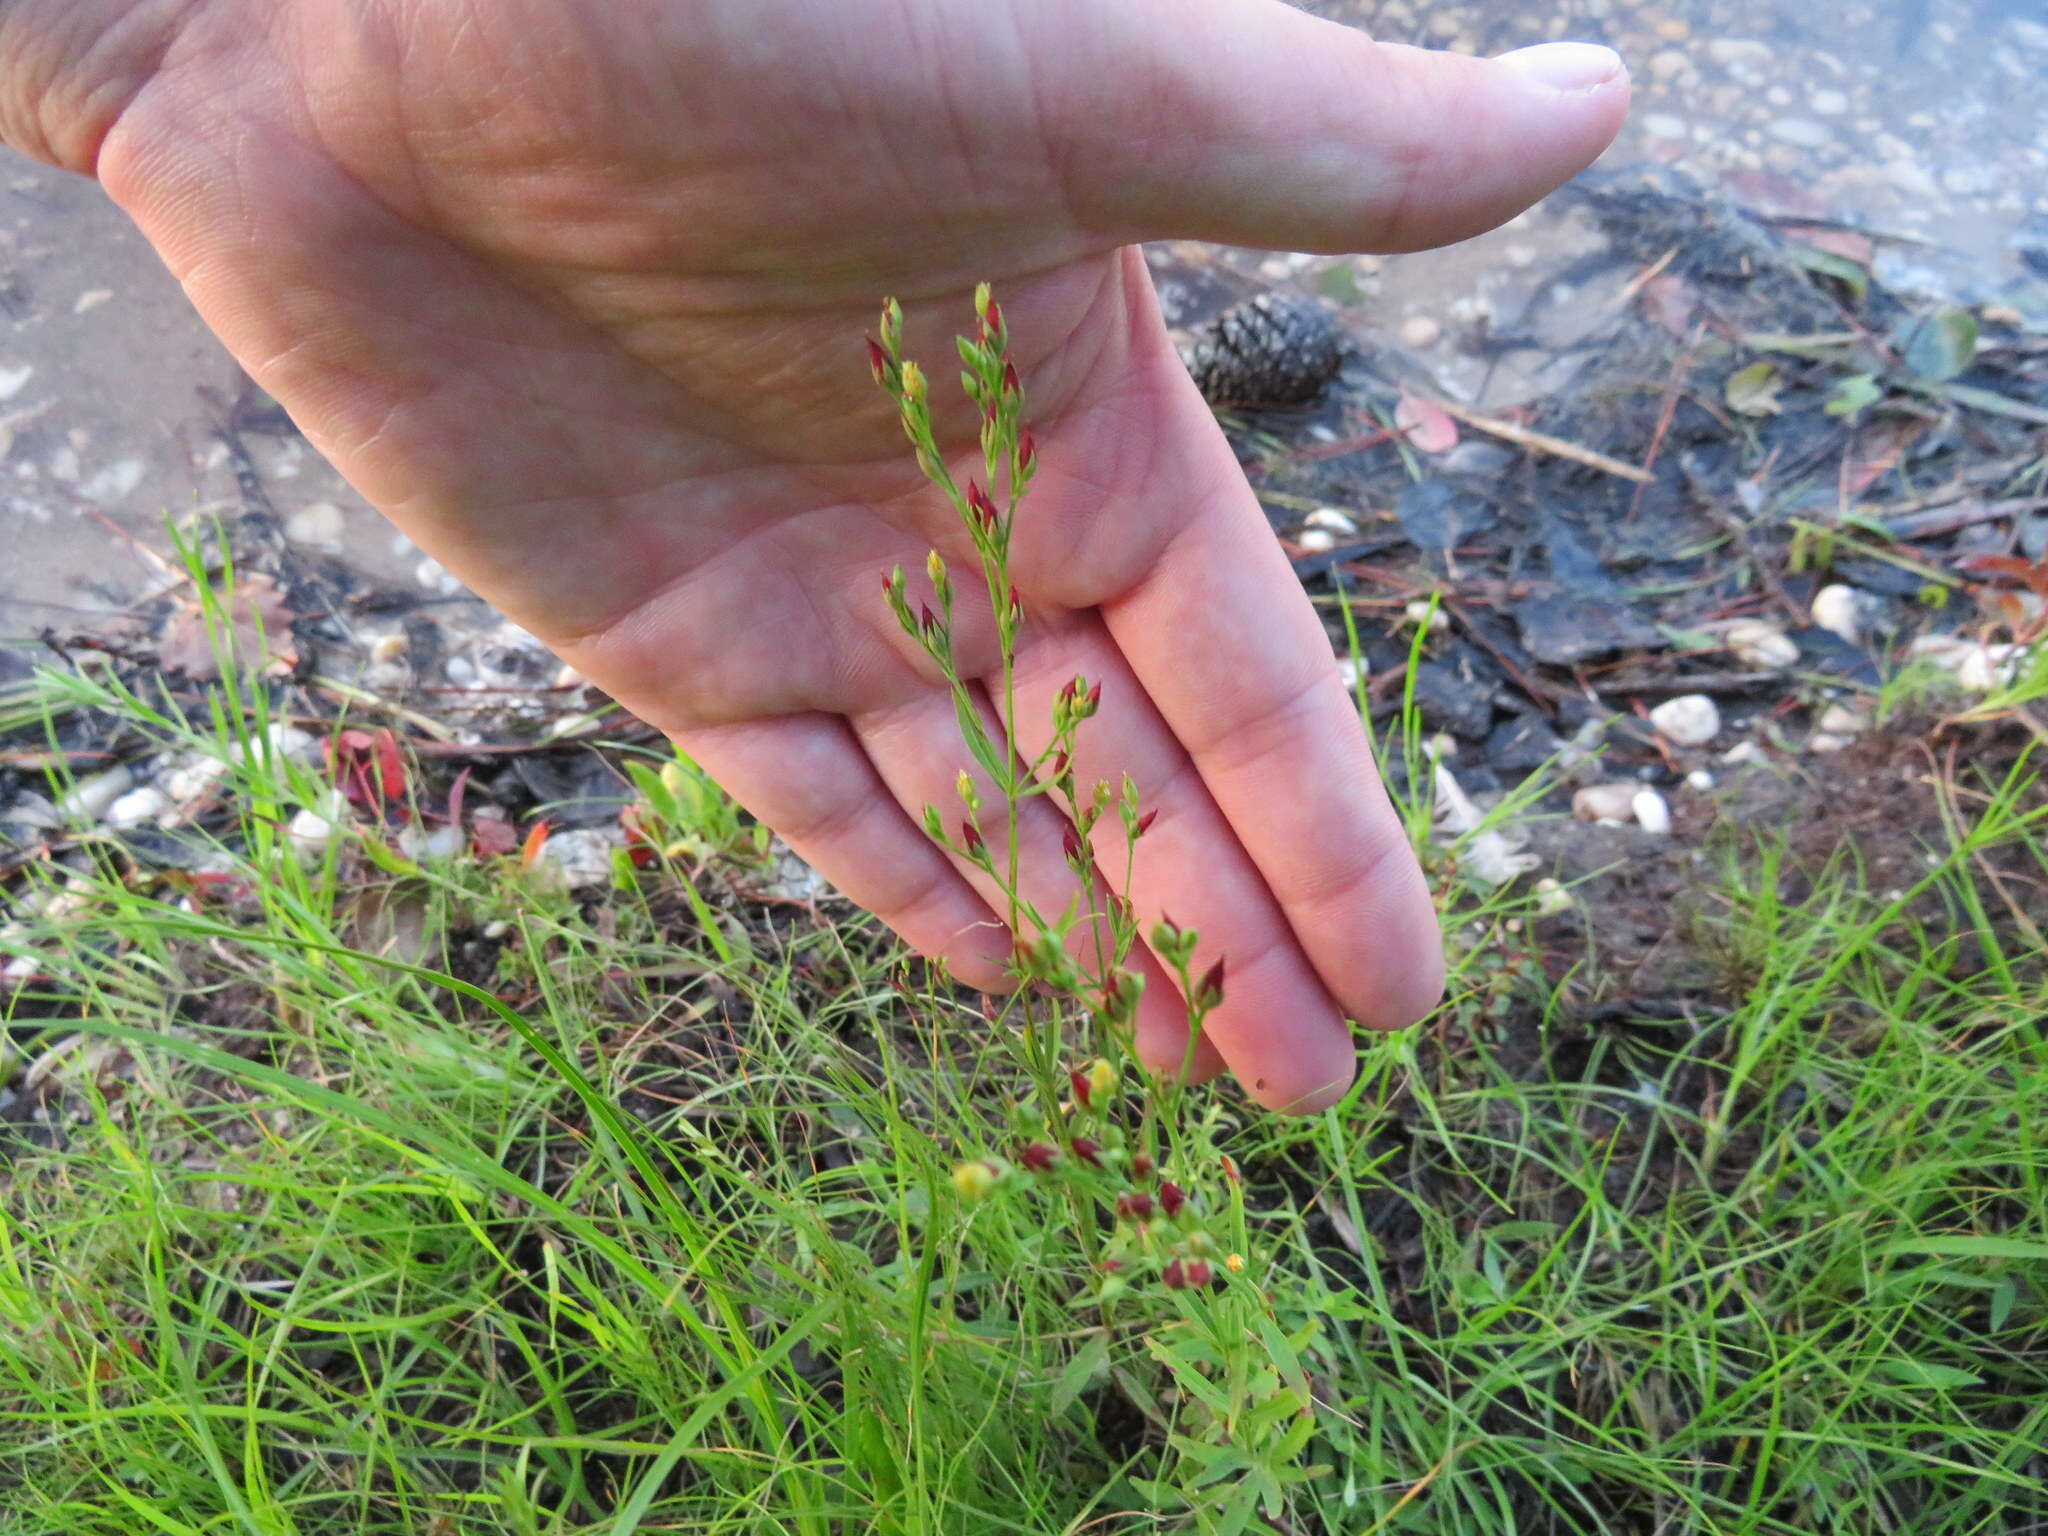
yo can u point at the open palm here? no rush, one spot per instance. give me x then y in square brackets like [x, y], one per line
[573, 290]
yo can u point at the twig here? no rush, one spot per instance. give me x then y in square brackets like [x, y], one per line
[1959, 514]
[1541, 442]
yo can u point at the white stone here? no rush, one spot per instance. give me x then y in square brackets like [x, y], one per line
[1662, 125]
[1316, 540]
[1974, 664]
[1668, 64]
[1332, 519]
[386, 649]
[1760, 644]
[1690, 720]
[1353, 672]
[285, 742]
[14, 380]
[1842, 610]
[1606, 804]
[1422, 611]
[1828, 103]
[1420, 331]
[137, 806]
[1699, 779]
[1743, 752]
[193, 778]
[1738, 50]
[581, 858]
[1840, 719]
[309, 833]
[1826, 743]
[89, 798]
[1652, 811]
[320, 525]
[1551, 897]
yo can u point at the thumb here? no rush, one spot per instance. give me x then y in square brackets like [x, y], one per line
[1250, 123]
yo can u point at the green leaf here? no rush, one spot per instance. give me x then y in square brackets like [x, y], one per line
[1851, 274]
[1971, 1247]
[2002, 1301]
[1089, 1365]
[1851, 395]
[1753, 391]
[1921, 1373]
[1937, 346]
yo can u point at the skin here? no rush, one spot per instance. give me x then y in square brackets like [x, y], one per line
[574, 291]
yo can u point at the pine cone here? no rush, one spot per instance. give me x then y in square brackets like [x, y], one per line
[1277, 349]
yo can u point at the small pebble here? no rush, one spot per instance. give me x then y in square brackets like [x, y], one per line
[1844, 720]
[89, 798]
[1699, 779]
[1332, 519]
[1840, 610]
[1800, 132]
[1690, 720]
[1668, 64]
[1744, 752]
[1760, 644]
[1652, 811]
[581, 859]
[386, 649]
[309, 833]
[319, 525]
[1605, 804]
[1551, 898]
[193, 778]
[1423, 612]
[137, 806]
[1420, 331]
[1316, 540]
[1662, 125]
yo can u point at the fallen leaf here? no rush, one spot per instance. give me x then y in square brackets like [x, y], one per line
[257, 631]
[1426, 425]
[1753, 390]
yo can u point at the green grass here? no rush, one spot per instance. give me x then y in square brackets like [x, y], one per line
[382, 1197]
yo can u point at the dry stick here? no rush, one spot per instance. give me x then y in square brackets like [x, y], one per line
[1541, 442]
[1959, 514]
[1673, 388]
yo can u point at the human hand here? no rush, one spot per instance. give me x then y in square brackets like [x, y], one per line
[573, 290]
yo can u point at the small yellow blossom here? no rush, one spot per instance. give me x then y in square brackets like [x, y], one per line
[1234, 1263]
[1101, 1081]
[913, 381]
[973, 1181]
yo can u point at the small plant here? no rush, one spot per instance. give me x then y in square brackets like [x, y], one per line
[1136, 1176]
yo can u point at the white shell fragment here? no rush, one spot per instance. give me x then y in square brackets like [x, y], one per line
[1690, 720]
[1551, 898]
[1844, 611]
[1316, 540]
[1332, 519]
[89, 798]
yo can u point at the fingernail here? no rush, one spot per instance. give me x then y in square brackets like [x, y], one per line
[1565, 67]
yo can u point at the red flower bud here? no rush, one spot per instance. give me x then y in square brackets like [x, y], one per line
[1094, 700]
[1090, 1152]
[1070, 844]
[1016, 602]
[1198, 1273]
[1027, 452]
[1011, 384]
[925, 619]
[1209, 990]
[1141, 1166]
[1145, 821]
[1229, 1168]
[878, 361]
[1038, 1157]
[1171, 1197]
[1068, 691]
[979, 502]
[970, 836]
[994, 323]
[1059, 763]
[1137, 1204]
[1079, 1082]
[1175, 1276]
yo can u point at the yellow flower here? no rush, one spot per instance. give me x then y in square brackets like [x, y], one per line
[1101, 1081]
[973, 1181]
[913, 382]
[1234, 1263]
